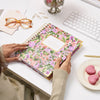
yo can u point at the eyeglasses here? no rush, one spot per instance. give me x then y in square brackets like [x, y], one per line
[14, 23]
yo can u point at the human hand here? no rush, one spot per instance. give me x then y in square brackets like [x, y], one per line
[66, 65]
[8, 49]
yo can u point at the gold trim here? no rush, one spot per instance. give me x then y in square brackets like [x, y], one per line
[92, 56]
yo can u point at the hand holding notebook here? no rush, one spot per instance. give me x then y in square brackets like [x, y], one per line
[46, 46]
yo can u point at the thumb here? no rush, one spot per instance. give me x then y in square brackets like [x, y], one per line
[68, 58]
[11, 59]
[58, 61]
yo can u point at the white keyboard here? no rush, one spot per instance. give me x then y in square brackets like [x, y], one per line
[84, 24]
[93, 2]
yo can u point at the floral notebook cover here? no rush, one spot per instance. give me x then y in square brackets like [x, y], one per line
[46, 46]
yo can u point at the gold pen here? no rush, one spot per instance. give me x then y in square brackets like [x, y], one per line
[92, 56]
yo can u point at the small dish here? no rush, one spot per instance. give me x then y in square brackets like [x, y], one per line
[83, 76]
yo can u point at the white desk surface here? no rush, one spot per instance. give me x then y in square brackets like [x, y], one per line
[74, 90]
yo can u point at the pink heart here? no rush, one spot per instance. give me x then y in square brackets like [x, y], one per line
[90, 70]
[99, 73]
[93, 79]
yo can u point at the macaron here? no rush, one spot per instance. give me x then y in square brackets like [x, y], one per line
[90, 70]
[93, 79]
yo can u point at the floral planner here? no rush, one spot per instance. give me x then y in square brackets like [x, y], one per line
[46, 46]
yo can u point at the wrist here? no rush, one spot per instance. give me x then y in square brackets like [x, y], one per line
[60, 74]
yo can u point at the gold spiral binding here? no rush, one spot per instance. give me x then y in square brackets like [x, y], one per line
[36, 33]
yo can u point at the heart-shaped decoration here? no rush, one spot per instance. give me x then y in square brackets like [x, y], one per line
[90, 70]
[93, 79]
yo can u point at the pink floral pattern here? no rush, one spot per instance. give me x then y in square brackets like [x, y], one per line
[40, 57]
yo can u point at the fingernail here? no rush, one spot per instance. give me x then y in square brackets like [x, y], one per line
[26, 47]
[70, 53]
[19, 59]
[27, 43]
[60, 56]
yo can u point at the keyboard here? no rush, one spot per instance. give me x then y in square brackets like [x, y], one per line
[84, 24]
[95, 3]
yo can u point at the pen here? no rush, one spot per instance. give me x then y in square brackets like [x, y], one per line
[92, 56]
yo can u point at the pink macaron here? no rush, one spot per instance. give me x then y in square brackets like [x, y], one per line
[93, 79]
[90, 70]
